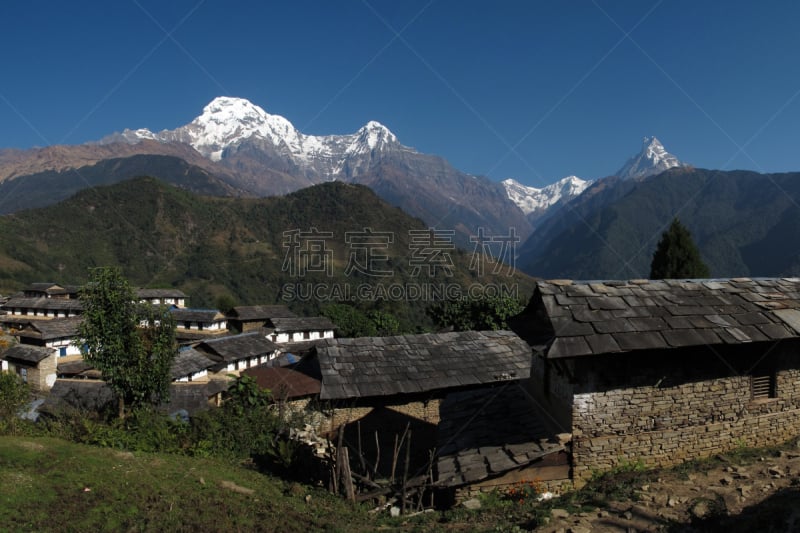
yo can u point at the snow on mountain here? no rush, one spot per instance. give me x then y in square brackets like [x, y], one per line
[227, 122]
[532, 200]
[653, 159]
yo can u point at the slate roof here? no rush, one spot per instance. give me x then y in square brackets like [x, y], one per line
[236, 347]
[251, 313]
[189, 361]
[59, 328]
[160, 293]
[42, 287]
[306, 323]
[76, 367]
[383, 366]
[485, 432]
[27, 353]
[93, 395]
[82, 394]
[51, 304]
[196, 315]
[586, 318]
[284, 383]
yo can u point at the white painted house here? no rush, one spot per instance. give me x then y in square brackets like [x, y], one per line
[169, 297]
[298, 329]
[237, 352]
[58, 335]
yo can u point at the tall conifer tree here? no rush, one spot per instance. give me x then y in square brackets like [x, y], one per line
[677, 256]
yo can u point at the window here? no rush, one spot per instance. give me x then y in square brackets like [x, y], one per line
[762, 386]
[62, 351]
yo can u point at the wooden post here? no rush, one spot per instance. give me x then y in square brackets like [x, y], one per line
[347, 478]
[405, 473]
[360, 451]
[377, 455]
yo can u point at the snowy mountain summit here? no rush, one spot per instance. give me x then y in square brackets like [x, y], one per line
[228, 123]
[653, 159]
[535, 202]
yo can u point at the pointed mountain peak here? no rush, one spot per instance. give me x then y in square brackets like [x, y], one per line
[653, 159]
[374, 133]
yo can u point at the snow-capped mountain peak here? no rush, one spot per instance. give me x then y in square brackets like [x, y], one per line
[227, 122]
[370, 136]
[535, 200]
[652, 159]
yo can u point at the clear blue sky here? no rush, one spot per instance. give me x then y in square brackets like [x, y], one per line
[531, 90]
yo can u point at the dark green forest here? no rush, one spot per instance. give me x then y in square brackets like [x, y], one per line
[235, 249]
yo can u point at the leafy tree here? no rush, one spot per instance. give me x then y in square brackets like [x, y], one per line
[352, 322]
[132, 345]
[489, 313]
[14, 393]
[677, 256]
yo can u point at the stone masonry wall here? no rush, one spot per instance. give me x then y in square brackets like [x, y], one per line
[662, 426]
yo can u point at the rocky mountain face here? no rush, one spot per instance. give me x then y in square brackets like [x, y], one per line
[653, 159]
[744, 223]
[537, 203]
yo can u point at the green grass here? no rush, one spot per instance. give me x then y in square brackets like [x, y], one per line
[49, 484]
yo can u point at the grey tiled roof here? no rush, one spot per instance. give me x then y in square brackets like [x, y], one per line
[197, 315]
[93, 395]
[483, 433]
[50, 304]
[284, 383]
[305, 323]
[59, 328]
[383, 366]
[586, 318]
[260, 312]
[160, 293]
[189, 361]
[235, 347]
[27, 353]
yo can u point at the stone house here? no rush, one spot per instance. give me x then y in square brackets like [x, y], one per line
[35, 364]
[42, 307]
[58, 334]
[246, 318]
[168, 297]
[51, 290]
[660, 372]
[376, 387]
[298, 329]
[190, 365]
[198, 324]
[234, 353]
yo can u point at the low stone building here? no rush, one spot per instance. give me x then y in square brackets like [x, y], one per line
[168, 297]
[59, 335]
[246, 318]
[659, 372]
[377, 387]
[234, 353]
[298, 329]
[35, 364]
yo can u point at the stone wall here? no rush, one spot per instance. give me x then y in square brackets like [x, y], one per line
[683, 409]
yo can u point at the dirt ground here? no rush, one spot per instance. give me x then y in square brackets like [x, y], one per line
[762, 494]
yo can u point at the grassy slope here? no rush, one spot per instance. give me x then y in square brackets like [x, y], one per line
[51, 485]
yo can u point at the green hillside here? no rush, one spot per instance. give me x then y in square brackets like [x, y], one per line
[52, 485]
[211, 247]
